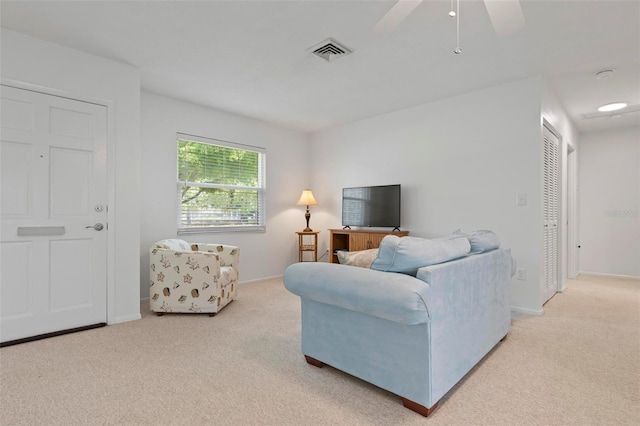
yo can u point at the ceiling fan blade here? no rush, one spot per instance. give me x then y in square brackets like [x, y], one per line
[394, 16]
[506, 16]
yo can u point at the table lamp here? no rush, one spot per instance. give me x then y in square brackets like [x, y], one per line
[307, 199]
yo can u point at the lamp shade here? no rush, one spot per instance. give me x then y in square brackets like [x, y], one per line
[307, 199]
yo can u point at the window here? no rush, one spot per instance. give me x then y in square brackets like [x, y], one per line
[221, 186]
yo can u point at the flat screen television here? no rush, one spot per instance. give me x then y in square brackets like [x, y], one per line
[371, 206]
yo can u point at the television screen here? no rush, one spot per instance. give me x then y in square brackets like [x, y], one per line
[371, 206]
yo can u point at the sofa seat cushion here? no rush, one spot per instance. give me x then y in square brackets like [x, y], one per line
[408, 254]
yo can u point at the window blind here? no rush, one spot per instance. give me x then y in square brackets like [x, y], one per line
[221, 185]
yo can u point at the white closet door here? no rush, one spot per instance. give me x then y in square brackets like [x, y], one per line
[53, 245]
[550, 215]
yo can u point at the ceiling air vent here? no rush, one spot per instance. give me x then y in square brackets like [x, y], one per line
[330, 50]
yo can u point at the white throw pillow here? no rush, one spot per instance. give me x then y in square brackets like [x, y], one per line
[361, 258]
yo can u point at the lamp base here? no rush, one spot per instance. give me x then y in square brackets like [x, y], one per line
[307, 216]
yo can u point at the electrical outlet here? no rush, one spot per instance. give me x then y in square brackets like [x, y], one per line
[522, 274]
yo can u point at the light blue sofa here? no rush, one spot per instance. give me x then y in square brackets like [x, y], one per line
[415, 336]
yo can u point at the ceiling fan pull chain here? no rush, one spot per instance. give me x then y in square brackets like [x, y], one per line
[452, 13]
[457, 50]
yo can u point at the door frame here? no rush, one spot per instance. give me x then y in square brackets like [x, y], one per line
[562, 197]
[572, 213]
[110, 228]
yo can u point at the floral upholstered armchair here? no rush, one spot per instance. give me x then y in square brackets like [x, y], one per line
[192, 278]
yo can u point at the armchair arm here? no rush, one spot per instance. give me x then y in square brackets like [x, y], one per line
[182, 280]
[172, 265]
[229, 255]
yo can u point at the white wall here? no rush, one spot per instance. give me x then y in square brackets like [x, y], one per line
[610, 202]
[460, 161]
[262, 254]
[59, 70]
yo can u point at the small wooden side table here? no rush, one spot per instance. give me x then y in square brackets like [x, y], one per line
[305, 244]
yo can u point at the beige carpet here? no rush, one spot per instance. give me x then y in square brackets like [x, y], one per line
[579, 364]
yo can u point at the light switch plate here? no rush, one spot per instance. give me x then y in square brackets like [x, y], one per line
[521, 199]
[522, 274]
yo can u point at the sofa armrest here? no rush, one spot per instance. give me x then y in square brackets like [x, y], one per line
[470, 312]
[395, 297]
[468, 284]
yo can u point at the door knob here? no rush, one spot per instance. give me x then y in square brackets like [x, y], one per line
[97, 226]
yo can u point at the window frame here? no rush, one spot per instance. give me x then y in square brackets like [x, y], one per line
[261, 188]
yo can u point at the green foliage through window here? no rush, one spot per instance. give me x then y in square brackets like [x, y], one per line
[219, 186]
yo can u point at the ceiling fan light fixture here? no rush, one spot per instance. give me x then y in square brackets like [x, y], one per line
[456, 14]
[612, 107]
[604, 74]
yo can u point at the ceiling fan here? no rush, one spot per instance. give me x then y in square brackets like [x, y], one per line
[506, 16]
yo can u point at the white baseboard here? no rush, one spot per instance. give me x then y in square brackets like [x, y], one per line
[602, 274]
[126, 318]
[527, 311]
[259, 280]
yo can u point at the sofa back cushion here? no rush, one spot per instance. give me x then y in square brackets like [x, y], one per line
[481, 240]
[408, 254]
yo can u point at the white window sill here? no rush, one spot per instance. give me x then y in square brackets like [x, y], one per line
[221, 229]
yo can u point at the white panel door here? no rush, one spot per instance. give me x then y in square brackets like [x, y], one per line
[550, 200]
[53, 259]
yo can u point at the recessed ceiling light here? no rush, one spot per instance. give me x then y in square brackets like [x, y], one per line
[612, 107]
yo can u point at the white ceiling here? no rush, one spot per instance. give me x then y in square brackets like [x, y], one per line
[252, 57]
